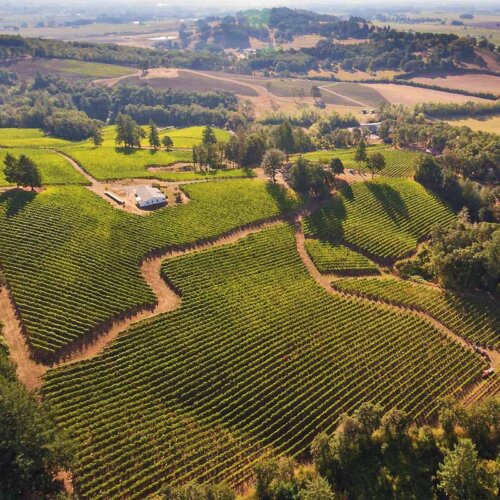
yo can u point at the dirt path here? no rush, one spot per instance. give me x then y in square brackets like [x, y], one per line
[28, 371]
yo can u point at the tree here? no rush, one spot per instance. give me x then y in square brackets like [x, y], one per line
[265, 472]
[208, 136]
[22, 171]
[461, 475]
[360, 155]
[167, 142]
[315, 92]
[32, 449]
[375, 162]
[11, 170]
[30, 171]
[336, 167]
[272, 162]
[128, 132]
[97, 138]
[429, 173]
[299, 177]
[317, 489]
[154, 136]
[284, 138]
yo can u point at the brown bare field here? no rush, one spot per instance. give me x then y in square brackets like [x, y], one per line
[302, 42]
[163, 78]
[405, 94]
[472, 83]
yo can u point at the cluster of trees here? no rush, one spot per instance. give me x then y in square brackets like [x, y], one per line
[22, 171]
[33, 104]
[469, 154]
[449, 109]
[463, 256]
[439, 175]
[32, 450]
[380, 455]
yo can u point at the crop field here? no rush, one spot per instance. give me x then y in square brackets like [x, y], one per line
[475, 318]
[330, 258]
[384, 218]
[29, 138]
[72, 261]
[258, 357]
[486, 124]
[53, 168]
[408, 95]
[192, 81]
[365, 96]
[472, 83]
[69, 69]
[399, 163]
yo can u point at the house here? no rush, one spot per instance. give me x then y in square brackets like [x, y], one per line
[148, 196]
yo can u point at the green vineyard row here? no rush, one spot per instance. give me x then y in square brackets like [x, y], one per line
[258, 357]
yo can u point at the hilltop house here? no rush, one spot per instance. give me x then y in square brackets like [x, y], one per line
[148, 196]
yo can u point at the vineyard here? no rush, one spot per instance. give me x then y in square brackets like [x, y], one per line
[475, 318]
[72, 261]
[258, 357]
[399, 163]
[330, 258]
[384, 218]
[53, 168]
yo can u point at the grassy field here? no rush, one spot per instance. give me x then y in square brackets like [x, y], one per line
[81, 265]
[54, 168]
[111, 163]
[487, 124]
[69, 69]
[365, 96]
[29, 138]
[258, 358]
[330, 258]
[476, 318]
[399, 163]
[384, 218]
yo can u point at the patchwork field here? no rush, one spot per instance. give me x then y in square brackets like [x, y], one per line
[472, 83]
[258, 357]
[399, 163]
[475, 318]
[81, 266]
[384, 218]
[53, 168]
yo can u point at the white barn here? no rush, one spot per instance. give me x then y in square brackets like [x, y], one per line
[148, 196]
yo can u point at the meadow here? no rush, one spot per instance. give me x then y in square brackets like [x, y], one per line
[54, 169]
[29, 138]
[473, 317]
[399, 163]
[72, 260]
[186, 138]
[258, 359]
[384, 218]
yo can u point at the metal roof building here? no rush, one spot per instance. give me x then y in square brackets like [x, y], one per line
[148, 196]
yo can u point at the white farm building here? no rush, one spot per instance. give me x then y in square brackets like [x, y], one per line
[148, 196]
